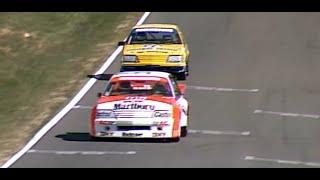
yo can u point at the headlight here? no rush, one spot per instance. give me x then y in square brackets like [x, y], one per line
[130, 58]
[162, 114]
[104, 113]
[175, 59]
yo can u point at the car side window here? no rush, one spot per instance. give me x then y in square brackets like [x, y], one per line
[108, 88]
[175, 86]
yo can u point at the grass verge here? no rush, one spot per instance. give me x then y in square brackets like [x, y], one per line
[44, 58]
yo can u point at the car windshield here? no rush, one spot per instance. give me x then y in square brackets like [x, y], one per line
[138, 87]
[154, 36]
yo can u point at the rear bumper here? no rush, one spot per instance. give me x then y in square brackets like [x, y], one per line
[168, 69]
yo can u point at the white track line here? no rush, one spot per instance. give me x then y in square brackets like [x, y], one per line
[82, 107]
[81, 152]
[235, 133]
[253, 158]
[221, 89]
[70, 105]
[314, 116]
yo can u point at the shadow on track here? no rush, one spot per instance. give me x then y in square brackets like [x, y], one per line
[80, 136]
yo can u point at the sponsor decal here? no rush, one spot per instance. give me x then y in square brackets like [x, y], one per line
[150, 46]
[153, 48]
[105, 122]
[141, 86]
[158, 134]
[133, 106]
[106, 133]
[136, 98]
[162, 114]
[145, 47]
[161, 123]
[131, 134]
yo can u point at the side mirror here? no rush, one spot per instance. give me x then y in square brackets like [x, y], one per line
[121, 43]
[99, 94]
[182, 88]
[104, 77]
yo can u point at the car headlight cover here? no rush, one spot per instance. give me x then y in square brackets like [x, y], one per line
[175, 59]
[129, 58]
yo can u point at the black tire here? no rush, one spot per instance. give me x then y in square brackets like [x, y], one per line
[184, 131]
[187, 70]
[122, 69]
[175, 139]
[182, 76]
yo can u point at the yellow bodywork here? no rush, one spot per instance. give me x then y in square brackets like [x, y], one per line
[157, 54]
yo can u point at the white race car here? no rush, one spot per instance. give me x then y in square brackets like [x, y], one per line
[143, 104]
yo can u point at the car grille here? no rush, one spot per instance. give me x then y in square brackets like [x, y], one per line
[130, 128]
[154, 59]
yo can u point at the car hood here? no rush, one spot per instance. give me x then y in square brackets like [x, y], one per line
[154, 48]
[149, 103]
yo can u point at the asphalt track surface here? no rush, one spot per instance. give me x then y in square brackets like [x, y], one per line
[265, 71]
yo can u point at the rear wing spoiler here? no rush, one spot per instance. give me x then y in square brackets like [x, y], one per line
[102, 77]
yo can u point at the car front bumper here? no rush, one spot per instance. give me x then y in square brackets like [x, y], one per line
[168, 69]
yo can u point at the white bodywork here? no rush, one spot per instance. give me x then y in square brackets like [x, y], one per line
[139, 117]
[139, 120]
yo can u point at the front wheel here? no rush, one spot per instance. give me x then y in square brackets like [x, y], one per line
[122, 69]
[182, 76]
[184, 131]
[187, 70]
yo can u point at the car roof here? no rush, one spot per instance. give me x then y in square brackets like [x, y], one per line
[142, 73]
[173, 26]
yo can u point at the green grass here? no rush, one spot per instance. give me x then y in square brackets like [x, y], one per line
[40, 73]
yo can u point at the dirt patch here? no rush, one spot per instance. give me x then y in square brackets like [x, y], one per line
[77, 59]
[92, 60]
[6, 51]
[23, 108]
[41, 44]
[103, 47]
[125, 24]
[20, 138]
[40, 113]
[5, 31]
[55, 94]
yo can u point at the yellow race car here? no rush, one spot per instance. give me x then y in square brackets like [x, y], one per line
[156, 47]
